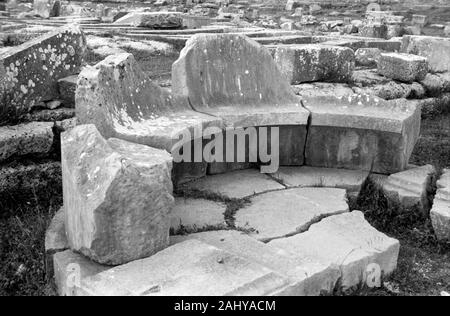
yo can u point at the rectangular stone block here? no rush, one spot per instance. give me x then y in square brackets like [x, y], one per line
[361, 132]
[435, 49]
[307, 63]
[29, 73]
[403, 67]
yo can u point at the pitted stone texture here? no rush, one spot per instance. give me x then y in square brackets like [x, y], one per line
[437, 84]
[361, 132]
[306, 275]
[440, 213]
[307, 63]
[350, 242]
[191, 215]
[368, 57]
[322, 89]
[117, 196]
[153, 20]
[189, 268]
[70, 269]
[235, 78]
[25, 139]
[365, 78]
[285, 213]
[236, 185]
[29, 73]
[403, 67]
[392, 90]
[124, 103]
[435, 49]
[351, 180]
[374, 30]
[55, 241]
[411, 188]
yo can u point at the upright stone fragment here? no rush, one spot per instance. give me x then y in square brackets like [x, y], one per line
[440, 213]
[117, 196]
[435, 49]
[403, 67]
[361, 132]
[362, 253]
[307, 63]
[29, 73]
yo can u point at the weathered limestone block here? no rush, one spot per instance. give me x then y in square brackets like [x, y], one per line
[307, 277]
[350, 242]
[435, 49]
[25, 139]
[403, 67]
[391, 90]
[124, 103]
[29, 73]
[236, 185]
[236, 79]
[411, 188]
[55, 241]
[368, 57]
[365, 78]
[47, 8]
[191, 215]
[67, 87]
[307, 63]
[318, 89]
[189, 268]
[288, 212]
[436, 84]
[117, 196]
[361, 132]
[153, 20]
[374, 30]
[440, 213]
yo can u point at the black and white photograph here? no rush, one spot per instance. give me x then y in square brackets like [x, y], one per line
[227, 155]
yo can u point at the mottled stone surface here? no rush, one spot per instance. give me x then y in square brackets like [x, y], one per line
[351, 180]
[307, 277]
[319, 89]
[350, 242]
[374, 30]
[55, 241]
[25, 139]
[285, 213]
[364, 78]
[67, 87]
[403, 67]
[188, 268]
[123, 102]
[29, 73]
[368, 57]
[307, 63]
[237, 184]
[436, 84]
[411, 188]
[235, 78]
[191, 215]
[117, 196]
[153, 20]
[440, 213]
[361, 132]
[435, 49]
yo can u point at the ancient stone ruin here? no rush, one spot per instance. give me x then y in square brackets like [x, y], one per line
[279, 129]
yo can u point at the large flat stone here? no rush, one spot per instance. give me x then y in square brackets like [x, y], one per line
[117, 196]
[307, 63]
[403, 67]
[435, 49]
[361, 132]
[440, 213]
[29, 72]
[119, 98]
[351, 180]
[306, 275]
[189, 268]
[350, 242]
[284, 213]
[236, 185]
[234, 78]
[25, 139]
[411, 188]
[191, 215]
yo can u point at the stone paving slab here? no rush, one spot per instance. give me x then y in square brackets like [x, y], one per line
[351, 180]
[349, 241]
[189, 268]
[288, 212]
[307, 276]
[196, 214]
[236, 185]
